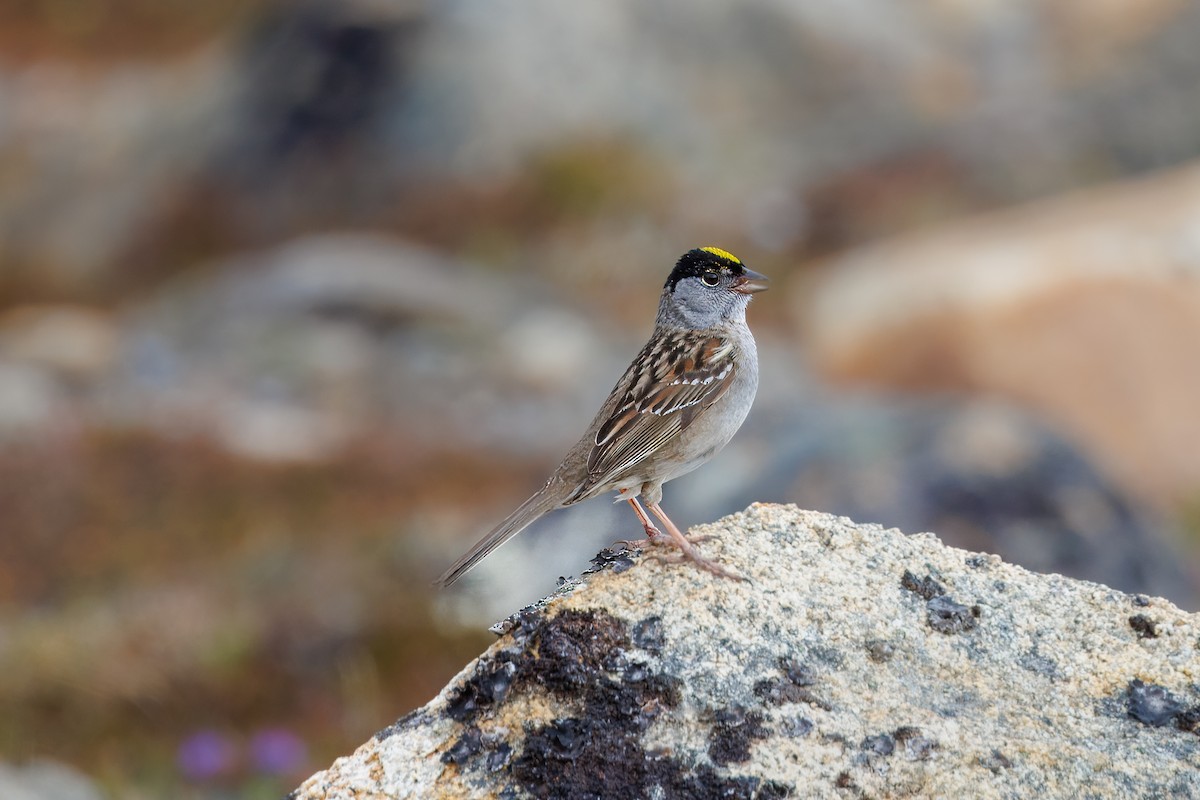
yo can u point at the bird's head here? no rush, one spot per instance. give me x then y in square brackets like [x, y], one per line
[707, 287]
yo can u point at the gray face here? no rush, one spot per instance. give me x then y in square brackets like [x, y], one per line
[694, 304]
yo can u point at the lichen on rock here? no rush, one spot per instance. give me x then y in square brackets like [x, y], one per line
[856, 661]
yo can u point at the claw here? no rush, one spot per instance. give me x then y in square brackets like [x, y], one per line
[718, 570]
[688, 549]
[703, 563]
[654, 537]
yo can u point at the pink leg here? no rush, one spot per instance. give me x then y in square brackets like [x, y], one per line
[653, 534]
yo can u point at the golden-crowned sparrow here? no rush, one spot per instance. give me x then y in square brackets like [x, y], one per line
[681, 400]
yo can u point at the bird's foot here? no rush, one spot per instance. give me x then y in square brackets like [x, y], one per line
[688, 552]
[700, 561]
[686, 544]
[653, 537]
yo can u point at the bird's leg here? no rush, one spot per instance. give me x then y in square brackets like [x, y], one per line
[653, 534]
[688, 549]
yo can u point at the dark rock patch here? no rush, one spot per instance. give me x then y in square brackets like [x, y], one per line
[572, 649]
[522, 622]
[917, 746]
[797, 672]
[648, 635]
[618, 560]
[1189, 720]
[467, 745]
[795, 727]
[881, 744]
[499, 756]
[1144, 626]
[734, 731]
[484, 690]
[880, 650]
[412, 719]
[943, 614]
[1151, 704]
[792, 687]
[1040, 664]
[773, 790]
[946, 616]
[995, 761]
[926, 588]
[828, 656]
[579, 758]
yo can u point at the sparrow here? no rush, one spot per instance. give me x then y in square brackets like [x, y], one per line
[677, 405]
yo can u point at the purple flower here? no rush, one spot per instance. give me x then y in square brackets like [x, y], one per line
[277, 751]
[206, 755]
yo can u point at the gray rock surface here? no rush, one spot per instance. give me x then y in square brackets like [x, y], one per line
[856, 662]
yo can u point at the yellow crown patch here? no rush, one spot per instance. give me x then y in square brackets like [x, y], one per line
[719, 253]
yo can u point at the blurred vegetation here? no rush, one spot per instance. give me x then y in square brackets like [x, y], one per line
[101, 30]
[157, 579]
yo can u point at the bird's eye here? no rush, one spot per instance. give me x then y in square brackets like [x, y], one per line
[710, 278]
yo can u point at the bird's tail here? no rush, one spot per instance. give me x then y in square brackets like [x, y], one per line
[516, 522]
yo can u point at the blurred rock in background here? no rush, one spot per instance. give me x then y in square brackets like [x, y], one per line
[1085, 308]
[297, 299]
[45, 780]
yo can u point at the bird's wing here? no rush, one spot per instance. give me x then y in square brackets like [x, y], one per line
[668, 386]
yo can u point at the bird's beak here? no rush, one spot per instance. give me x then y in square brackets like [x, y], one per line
[750, 282]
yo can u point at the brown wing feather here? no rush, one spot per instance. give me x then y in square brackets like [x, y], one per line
[663, 398]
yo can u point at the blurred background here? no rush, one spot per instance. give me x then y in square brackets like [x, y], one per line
[297, 299]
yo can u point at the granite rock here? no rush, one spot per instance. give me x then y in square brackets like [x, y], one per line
[855, 661]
